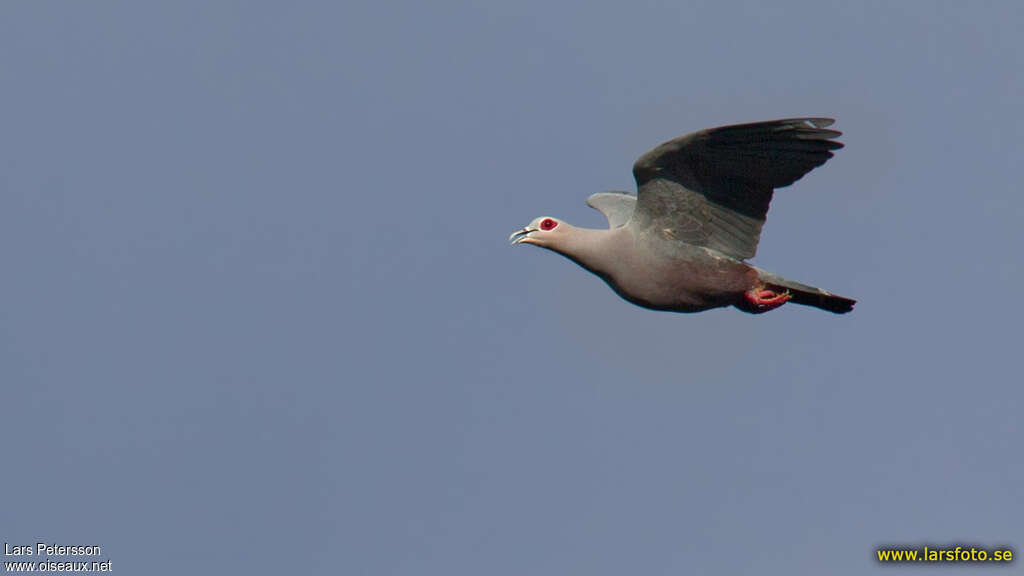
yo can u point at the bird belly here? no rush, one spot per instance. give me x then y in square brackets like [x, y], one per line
[692, 280]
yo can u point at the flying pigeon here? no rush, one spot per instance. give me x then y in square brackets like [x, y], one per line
[681, 243]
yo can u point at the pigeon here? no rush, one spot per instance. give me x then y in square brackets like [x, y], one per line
[681, 243]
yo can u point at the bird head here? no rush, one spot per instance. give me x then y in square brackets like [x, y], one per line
[546, 232]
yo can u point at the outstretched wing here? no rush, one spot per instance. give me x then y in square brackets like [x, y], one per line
[712, 188]
[617, 207]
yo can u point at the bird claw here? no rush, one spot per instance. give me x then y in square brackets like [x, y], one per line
[763, 299]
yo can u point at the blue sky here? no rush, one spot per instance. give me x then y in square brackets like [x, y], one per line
[260, 315]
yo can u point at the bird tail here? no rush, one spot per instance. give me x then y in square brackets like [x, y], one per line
[807, 295]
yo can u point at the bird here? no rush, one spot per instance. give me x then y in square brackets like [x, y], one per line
[681, 244]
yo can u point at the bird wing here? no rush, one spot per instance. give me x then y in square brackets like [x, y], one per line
[617, 207]
[712, 188]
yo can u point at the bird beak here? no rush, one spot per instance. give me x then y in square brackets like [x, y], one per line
[522, 236]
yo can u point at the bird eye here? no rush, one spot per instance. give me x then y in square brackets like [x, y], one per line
[548, 224]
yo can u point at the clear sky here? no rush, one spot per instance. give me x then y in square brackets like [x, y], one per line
[259, 314]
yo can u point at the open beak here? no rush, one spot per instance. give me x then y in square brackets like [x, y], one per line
[521, 235]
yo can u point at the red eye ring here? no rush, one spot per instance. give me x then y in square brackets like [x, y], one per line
[548, 224]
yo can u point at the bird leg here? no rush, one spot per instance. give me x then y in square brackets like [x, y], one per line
[762, 299]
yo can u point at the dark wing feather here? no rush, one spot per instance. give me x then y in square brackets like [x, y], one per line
[718, 183]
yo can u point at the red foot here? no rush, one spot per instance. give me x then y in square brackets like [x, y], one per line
[763, 300]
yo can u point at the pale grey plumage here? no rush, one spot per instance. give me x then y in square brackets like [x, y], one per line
[617, 207]
[700, 205]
